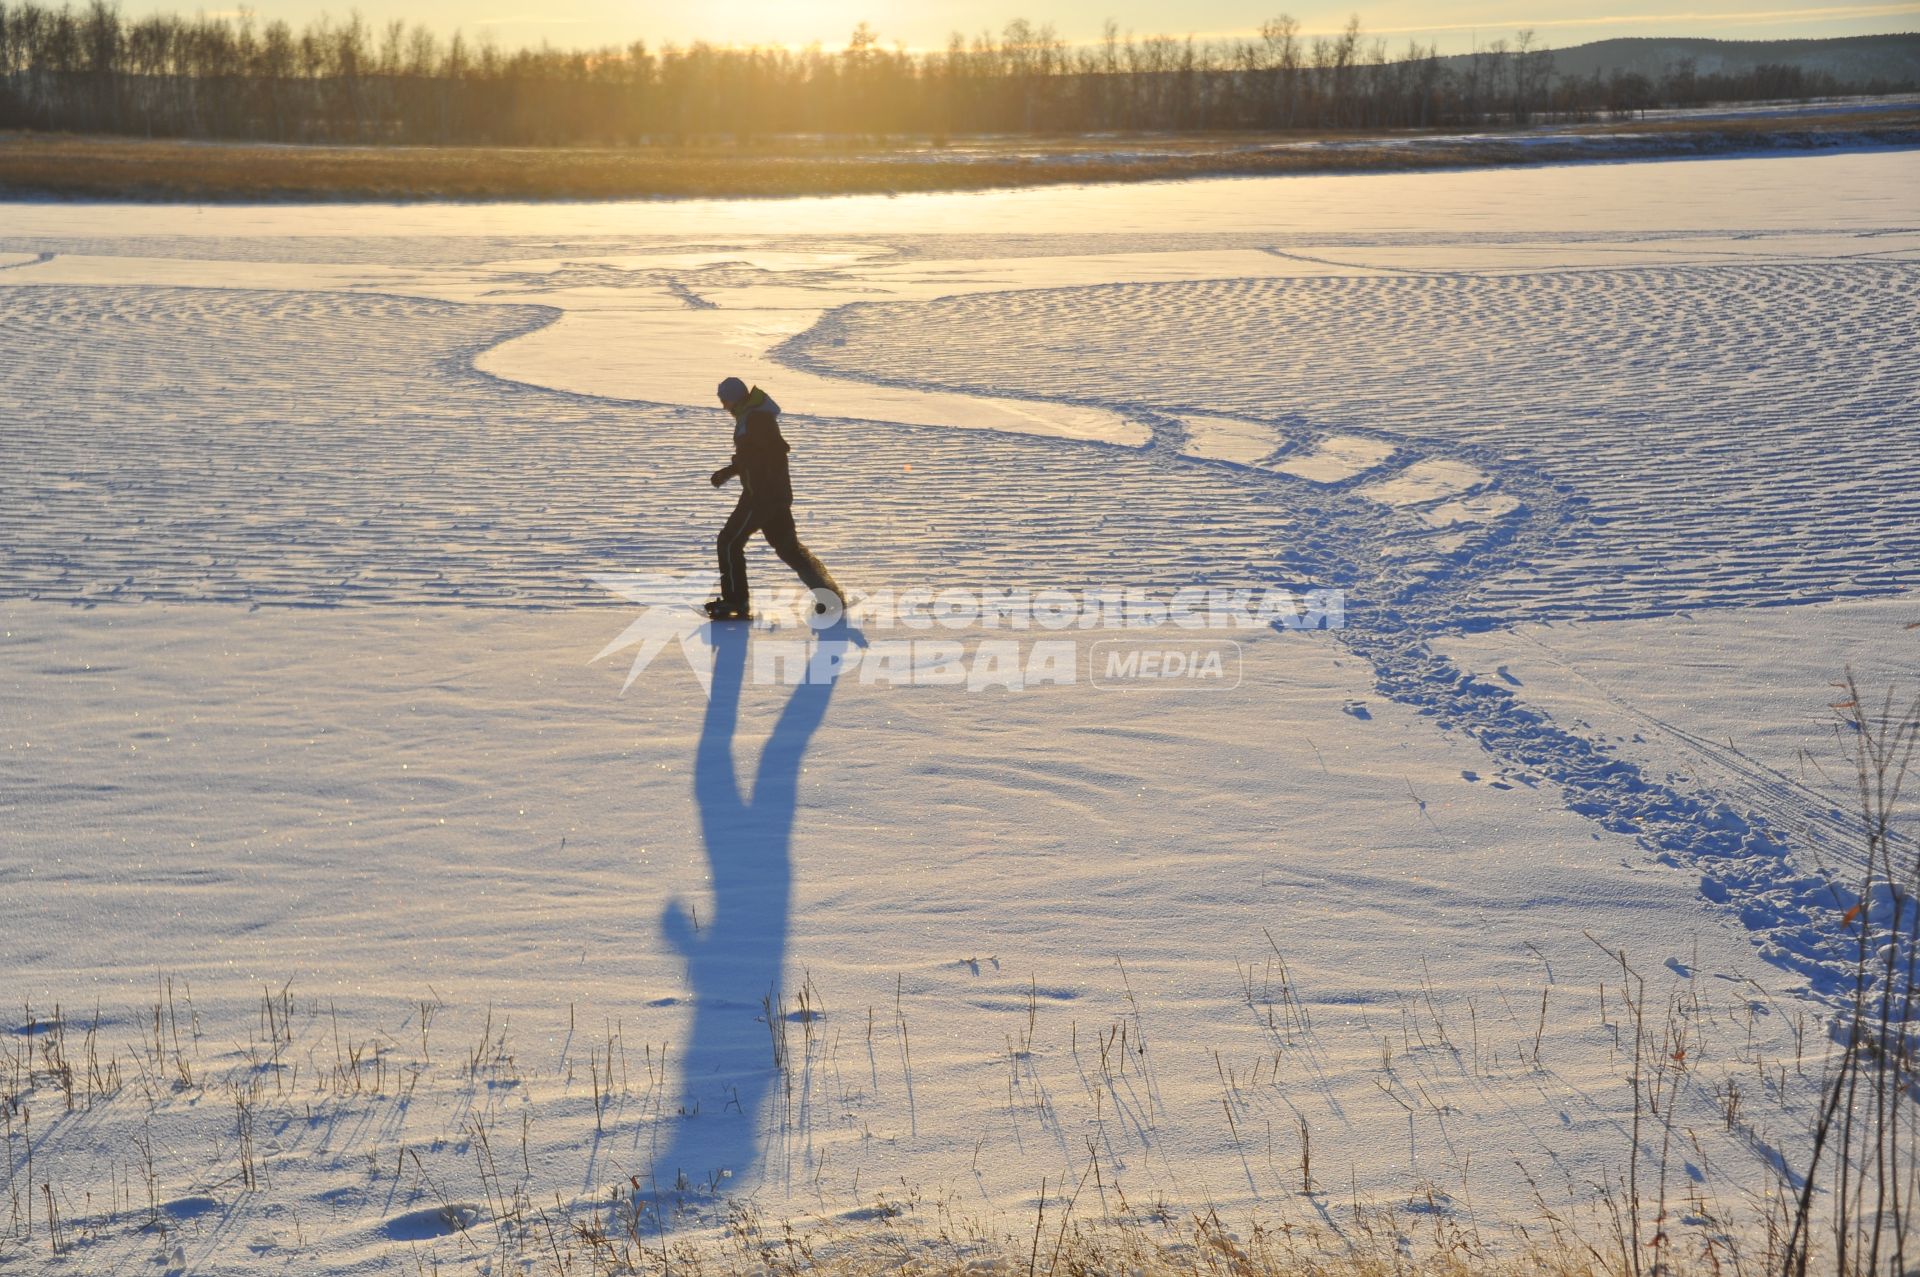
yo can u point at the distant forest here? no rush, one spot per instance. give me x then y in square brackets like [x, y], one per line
[93, 70]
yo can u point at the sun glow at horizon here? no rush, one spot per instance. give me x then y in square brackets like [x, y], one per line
[796, 25]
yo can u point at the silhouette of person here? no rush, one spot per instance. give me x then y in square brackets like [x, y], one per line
[765, 505]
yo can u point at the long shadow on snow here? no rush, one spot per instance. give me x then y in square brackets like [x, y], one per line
[735, 956]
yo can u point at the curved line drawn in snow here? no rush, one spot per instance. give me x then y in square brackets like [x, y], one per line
[1415, 524]
[1360, 470]
[677, 357]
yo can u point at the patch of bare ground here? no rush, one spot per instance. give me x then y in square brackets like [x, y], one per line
[97, 167]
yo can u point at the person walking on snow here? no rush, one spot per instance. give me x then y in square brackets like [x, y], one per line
[765, 506]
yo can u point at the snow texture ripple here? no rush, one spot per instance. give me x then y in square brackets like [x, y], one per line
[1550, 444]
[1632, 442]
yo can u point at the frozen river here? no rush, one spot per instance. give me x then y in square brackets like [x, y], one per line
[1866, 190]
[306, 521]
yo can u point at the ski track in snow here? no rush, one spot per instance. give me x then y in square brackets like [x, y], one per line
[1533, 447]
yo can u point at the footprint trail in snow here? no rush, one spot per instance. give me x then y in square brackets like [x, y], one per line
[1462, 436]
[1472, 451]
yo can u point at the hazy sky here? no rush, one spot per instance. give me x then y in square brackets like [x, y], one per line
[1454, 23]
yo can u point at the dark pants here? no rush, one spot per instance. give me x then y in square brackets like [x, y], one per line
[776, 524]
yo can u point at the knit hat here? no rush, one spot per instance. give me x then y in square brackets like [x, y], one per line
[732, 390]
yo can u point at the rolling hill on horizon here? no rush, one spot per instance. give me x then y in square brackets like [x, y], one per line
[1852, 60]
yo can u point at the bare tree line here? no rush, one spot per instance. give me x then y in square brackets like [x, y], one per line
[93, 70]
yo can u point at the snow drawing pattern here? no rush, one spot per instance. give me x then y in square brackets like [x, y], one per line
[1589, 478]
[1495, 509]
[1788, 481]
[235, 478]
[1460, 450]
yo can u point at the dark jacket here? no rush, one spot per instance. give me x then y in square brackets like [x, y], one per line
[760, 460]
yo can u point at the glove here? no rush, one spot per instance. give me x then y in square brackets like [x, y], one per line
[721, 475]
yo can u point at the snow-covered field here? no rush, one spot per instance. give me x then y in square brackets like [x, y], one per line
[378, 927]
